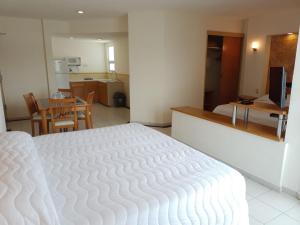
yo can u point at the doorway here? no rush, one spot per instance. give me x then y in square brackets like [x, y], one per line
[222, 75]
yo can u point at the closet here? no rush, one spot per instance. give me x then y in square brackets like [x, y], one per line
[222, 74]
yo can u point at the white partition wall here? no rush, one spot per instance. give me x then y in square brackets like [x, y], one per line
[261, 158]
[2, 118]
[292, 163]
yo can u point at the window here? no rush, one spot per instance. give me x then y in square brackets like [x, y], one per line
[111, 59]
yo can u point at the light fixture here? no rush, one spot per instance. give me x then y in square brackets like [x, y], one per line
[80, 11]
[290, 33]
[254, 46]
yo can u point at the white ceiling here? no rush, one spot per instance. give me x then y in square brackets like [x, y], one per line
[66, 9]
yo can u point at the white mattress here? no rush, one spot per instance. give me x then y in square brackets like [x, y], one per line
[131, 174]
[24, 195]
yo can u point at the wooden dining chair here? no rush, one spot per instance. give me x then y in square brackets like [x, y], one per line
[33, 111]
[66, 92]
[87, 114]
[63, 114]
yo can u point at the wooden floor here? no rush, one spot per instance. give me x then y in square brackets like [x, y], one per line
[250, 127]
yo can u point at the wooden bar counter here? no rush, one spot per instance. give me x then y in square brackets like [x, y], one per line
[250, 127]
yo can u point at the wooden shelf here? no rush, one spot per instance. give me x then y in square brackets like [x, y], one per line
[253, 128]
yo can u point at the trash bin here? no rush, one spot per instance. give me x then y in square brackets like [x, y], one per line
[119, 99]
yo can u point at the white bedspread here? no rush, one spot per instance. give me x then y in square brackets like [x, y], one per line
[131, 174]
[24, 195]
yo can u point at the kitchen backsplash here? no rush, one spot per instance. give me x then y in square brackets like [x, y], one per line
[81, 76]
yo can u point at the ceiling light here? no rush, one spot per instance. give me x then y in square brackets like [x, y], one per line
[290, 33]
[80, 11]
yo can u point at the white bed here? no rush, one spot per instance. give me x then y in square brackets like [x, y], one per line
[127, 174]
[254, 116]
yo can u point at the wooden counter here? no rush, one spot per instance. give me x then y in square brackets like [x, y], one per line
[104, 91]
[253, 128]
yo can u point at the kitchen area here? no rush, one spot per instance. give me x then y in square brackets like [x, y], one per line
[90, 63]
[81, 62]
[99, 63]
[41, 64]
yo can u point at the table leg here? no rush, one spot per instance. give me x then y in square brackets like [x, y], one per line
[44, 121]
[234, 115]
[279, 126]
[246, 115]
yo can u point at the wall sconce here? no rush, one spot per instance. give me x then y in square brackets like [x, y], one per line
[254, 46]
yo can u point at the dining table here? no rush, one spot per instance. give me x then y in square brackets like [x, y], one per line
[44, 106]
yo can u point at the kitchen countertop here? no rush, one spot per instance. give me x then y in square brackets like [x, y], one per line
[100, 79]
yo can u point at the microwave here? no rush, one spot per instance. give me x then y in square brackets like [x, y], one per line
[73, 61]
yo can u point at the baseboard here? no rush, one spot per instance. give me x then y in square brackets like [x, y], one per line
[261, 181]
[291, 192]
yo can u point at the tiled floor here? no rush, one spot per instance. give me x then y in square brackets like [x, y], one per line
[102, 116]
[270, 207]
[265, 206]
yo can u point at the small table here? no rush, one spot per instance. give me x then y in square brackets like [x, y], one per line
[44, 105]
[263, 107]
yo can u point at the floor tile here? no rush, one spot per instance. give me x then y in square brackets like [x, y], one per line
[280, 201]
[294, 213]
[253, 221]
[283, 220]
[254, 189]
[262, 212]
[166, 130]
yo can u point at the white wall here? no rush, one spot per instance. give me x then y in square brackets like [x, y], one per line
[292, 165]
[51, 28]
[147, 66]
[92, 53]
[2, 118]
[167, 52]
[254, 64]
[104, 25]
[22, 63]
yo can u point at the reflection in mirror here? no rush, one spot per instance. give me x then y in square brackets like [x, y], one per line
[277, 84]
